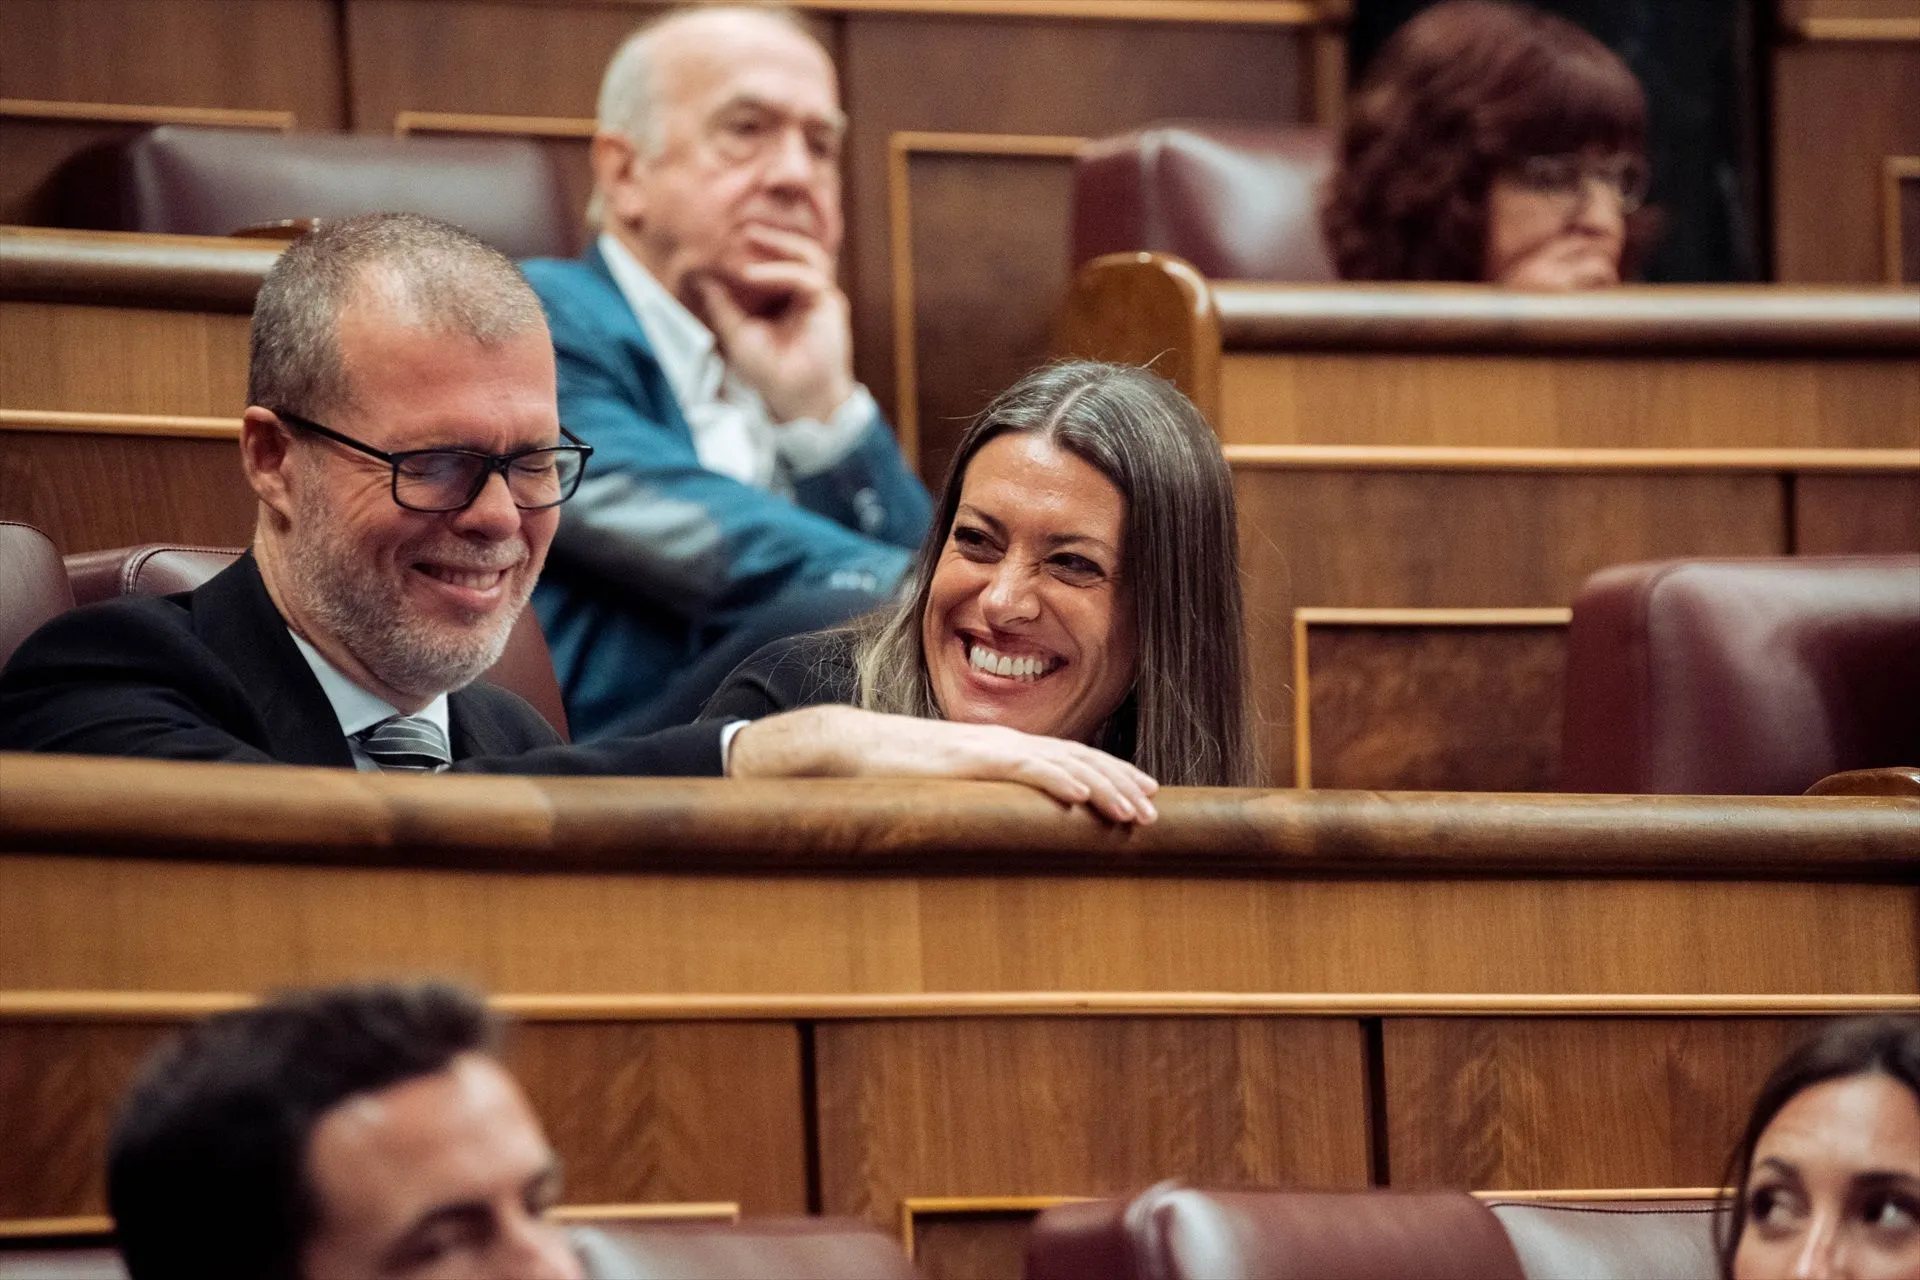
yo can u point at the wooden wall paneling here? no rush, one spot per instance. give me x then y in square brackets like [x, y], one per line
[1366, 538]
[1315, 935]
[450, 66]
[1548, 1102]
[255, 928]
[122, 360]
[1032, 77]
[1840, 108]
[1083, 1106]
[1567, 400]
[640, 1112]
[1900, 219]
[1842, 514]
[60, 1083]
[90, 489]
[1428, 699]
[254, 62]
[940, 296]
[670, 1111]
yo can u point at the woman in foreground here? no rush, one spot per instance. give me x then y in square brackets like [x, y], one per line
[1491, 142]
[1081, 580]
[1827, 1175]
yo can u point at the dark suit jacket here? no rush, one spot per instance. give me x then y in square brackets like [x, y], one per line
[213, 674]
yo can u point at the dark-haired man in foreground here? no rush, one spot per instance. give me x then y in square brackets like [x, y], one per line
[403, 441]
[365, 1132]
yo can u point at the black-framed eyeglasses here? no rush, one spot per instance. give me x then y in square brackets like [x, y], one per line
[442, 480]
[1567, 175]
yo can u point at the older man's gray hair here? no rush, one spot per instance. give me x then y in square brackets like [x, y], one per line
[629, 98]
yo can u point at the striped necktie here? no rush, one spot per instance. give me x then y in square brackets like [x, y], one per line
[406, 744]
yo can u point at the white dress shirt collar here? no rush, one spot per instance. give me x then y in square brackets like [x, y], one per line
[354, 707]
[685, 347]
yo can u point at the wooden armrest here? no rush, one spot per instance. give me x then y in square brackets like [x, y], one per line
[1899, 780]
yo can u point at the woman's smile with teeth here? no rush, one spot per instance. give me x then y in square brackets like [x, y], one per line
[1000, 664]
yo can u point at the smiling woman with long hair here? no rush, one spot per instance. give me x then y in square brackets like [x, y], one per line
[1081, 580]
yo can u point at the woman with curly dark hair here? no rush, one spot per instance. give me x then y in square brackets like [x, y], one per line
[1826, 1178]
[1491, 142]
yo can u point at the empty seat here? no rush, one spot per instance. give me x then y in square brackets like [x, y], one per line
[1238, 201]
[1171, 1232]
[188, 180]
[159, 569]
[1730, 677]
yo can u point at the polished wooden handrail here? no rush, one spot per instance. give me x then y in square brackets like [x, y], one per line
[186, 273]
[1140, 305]
[228, 813]
[1644, 319]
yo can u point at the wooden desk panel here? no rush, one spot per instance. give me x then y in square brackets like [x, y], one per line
[101, 359]
[1641, 367]
[640, 1112]
[828, 887]
[1840, 514]
[1389, 398]
[1548, 1102]
[995, 1108]
[91, 489]
[1371, 534]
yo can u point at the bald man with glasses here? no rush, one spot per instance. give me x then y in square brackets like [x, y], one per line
[403, 441]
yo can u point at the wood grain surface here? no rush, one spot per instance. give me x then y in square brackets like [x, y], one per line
[1443, 708]
[211, 813]
[165, 362]
[280, 56]
[1840, 108]
[1083, 1107]
[91, 490]
[1581, 1102]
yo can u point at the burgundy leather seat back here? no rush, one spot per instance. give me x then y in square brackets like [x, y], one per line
[202, 181]
[1238, 201]
[33, 586]
[1178, 1233]
[1730, 677]
[1612, 1240]
[768, 1248]
[159, 569]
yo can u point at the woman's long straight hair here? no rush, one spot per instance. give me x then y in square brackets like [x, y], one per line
[1188, 720]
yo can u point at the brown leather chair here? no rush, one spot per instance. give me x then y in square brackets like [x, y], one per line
[188, 180]
[1732, 677]
[33, 585]
[159, 569]
[1604, 1239]
[766, 1248]
[1171, 1232]
[1238, 201]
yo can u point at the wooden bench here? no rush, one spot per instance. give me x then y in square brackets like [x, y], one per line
[894, 999]
[122, 379]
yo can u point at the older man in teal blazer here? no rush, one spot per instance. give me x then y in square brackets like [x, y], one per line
[743, 485]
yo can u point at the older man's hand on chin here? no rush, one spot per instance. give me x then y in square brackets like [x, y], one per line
[785, 326]
[842, 741]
